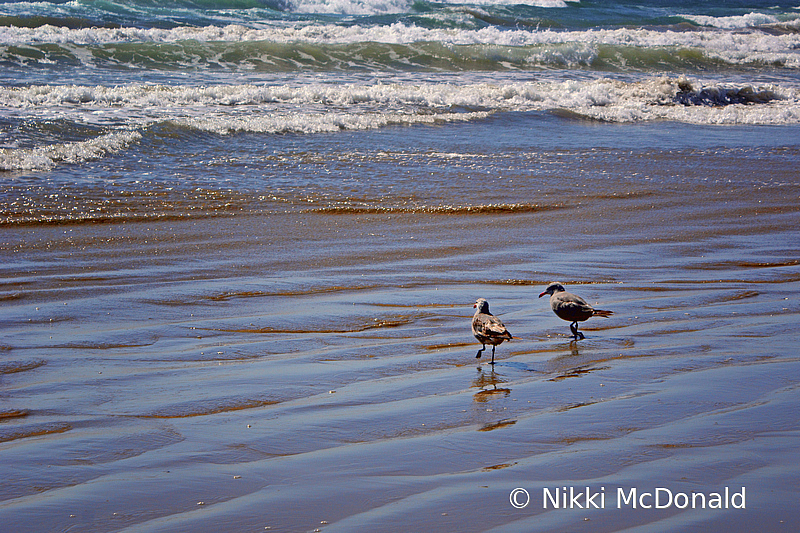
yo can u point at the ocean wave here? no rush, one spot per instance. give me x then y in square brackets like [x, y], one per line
[126, 112]
[378, 7]
[398, 46]
[205, 9]
[702, 115]
[321, 123]
[137, 110]
[395, 33]
[349, 7]
[750, 20]
[175, 102]
[47, 157]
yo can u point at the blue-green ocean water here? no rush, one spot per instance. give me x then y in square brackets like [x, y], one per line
[93, 83]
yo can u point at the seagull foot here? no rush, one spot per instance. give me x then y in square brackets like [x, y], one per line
[577, 335]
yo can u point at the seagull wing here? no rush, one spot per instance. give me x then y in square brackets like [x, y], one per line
[489, 326]
[570, 307]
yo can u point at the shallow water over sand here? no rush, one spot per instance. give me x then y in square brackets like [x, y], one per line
[297, 355]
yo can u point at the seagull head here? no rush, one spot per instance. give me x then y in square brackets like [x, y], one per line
[481, 305]
[552, 289]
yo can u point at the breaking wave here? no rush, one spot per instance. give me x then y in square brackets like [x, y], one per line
[127, 113]
[398, 46]
[46, 157]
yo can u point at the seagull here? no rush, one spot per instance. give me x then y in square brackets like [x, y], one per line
[487, 328]
[571, 308]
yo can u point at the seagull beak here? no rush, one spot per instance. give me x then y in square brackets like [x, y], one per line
[542, 294]
[475, 306]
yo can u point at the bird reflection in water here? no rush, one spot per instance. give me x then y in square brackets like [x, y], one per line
[573, 348]
[487, 382]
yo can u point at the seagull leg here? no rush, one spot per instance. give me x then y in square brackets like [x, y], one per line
[480, 352]
[575, 333]
[493, 347]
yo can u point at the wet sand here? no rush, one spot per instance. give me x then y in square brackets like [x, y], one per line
[317, 370]
[207, 361]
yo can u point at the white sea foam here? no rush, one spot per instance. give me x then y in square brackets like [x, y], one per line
[344, 7]
[733, 47]
[326, 108]
[321, 122]
[168, 101]
[159, 102]
[47, 157]
[733, 22]
[350, 7]
[396, 33]
[377, 7]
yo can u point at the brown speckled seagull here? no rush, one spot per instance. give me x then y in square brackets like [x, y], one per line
[571, 308]
[487, 328]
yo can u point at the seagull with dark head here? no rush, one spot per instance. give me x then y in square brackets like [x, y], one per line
[571, 308]
[487, 328]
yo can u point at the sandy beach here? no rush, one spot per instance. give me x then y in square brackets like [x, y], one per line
[316, 370]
